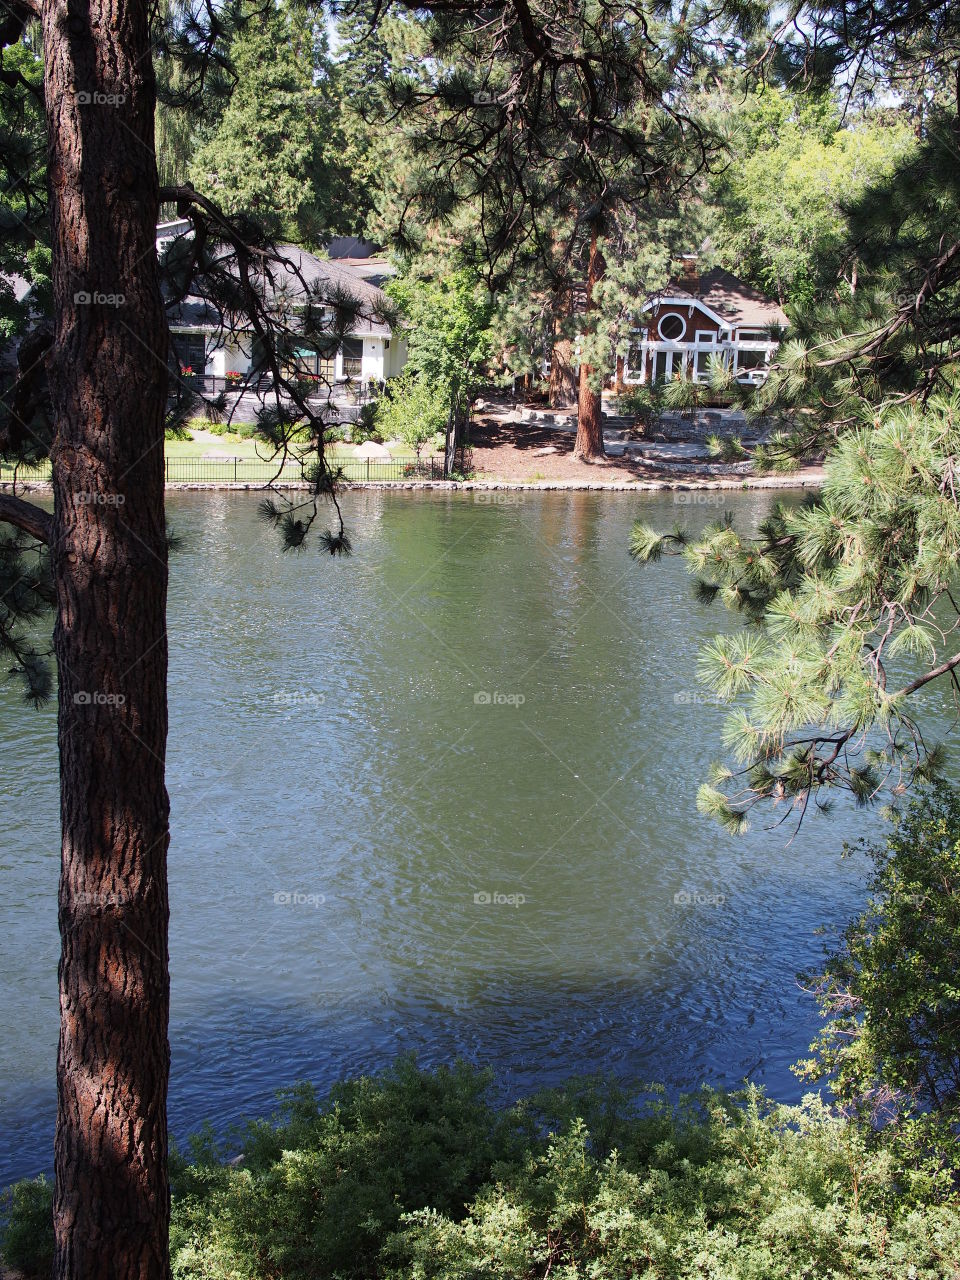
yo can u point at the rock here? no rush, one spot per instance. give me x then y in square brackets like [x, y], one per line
[542, 453]
[370, 449]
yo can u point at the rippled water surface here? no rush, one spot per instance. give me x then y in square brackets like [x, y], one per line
[344, 804]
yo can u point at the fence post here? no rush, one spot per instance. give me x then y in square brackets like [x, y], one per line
[234, 470]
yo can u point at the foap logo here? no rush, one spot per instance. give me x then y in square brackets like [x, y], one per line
[487, 699]
[298, 698]
[100, 899]
[699, 498]
[693, 898]
[95, 698]
[692, 698]
[298, 899]
[96, 98]
[100, 499]
[498, 497]
[86, 298]
[497, 899]
[484, 98]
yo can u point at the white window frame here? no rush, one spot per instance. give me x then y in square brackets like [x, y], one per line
[685, 321]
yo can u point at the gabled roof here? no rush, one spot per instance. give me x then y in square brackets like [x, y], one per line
[332, 277]
[728, 297]
[305, 272]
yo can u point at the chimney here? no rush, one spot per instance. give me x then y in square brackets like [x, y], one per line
[691, 271]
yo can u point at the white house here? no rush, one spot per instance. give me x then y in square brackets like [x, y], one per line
[369, 351]
[697, 317]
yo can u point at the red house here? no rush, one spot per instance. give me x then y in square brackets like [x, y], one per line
[697, 317]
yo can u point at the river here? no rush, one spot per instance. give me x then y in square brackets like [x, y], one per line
[438, 796]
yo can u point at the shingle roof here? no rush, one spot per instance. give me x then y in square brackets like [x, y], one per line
[332, 276]
[306, 272]
[736, 302]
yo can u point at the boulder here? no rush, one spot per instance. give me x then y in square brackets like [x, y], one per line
[370, 449]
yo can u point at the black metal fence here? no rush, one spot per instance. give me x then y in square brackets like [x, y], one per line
[253, 471]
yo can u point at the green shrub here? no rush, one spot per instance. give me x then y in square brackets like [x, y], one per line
[322, 1187]
[642, 402]
[416, 1175]
[26, 1241]
[890, 1045]
[413, 410]
[365, 427]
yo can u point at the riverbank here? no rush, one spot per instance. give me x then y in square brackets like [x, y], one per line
[808, 478]
[424, 1173]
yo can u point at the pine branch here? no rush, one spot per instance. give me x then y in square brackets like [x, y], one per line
[27, 516]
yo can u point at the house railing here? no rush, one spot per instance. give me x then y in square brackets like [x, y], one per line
[254, 472]
[351, 390]
[682, 353]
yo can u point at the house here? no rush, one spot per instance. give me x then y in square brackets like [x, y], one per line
[370, 352]
[699, 316]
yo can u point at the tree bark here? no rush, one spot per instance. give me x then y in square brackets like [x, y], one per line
[107, 372]
[589, 442]
[563, 383]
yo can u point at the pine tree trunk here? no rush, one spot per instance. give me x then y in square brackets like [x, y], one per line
[107, 373]
[563, 383]
[589, 442]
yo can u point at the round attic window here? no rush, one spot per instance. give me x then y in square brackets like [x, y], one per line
[672, 327]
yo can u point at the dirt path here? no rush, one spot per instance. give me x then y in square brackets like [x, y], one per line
[533, 452]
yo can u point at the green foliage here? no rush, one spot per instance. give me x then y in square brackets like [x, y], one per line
[643, 402]
[274, 154]
[26, 1241]
[448, 329]
[795, 168]
[849, 594]
[414, 410]
[24, 250]
[318, 1191]
[890, 991]
[365, 427]
[418, 1175]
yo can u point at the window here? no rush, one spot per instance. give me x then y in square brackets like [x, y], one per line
[672, 327]
[191, 351]
[751, 359]
[705, 335]
[701, 364]
[352, 357]
[752, 335]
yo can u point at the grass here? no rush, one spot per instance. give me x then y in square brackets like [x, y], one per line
[247, 449]
[232, 445]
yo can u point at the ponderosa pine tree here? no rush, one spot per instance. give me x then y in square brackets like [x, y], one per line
[90, 393]
[553, 130]
[277, 152]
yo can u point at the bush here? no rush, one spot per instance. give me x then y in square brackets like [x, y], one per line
[417, 1175]
[27, 1238]
[413, 410]
[365, 427]
[642, 402]
[891, 1043]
